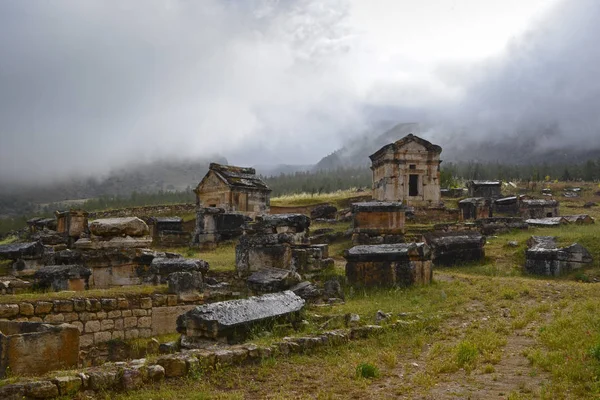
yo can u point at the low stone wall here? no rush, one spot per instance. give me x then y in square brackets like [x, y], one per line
[136, 374]
[104, 319]
[145, 211]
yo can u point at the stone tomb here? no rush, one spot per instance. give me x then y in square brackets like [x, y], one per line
[168, 232]
[63, 277]
[539, 208]
[544, 257]
[214, 225]
[33, 348]
[377, 222]
[232, 320]
[455, 248]
[279, 241]
[400, 264]
[475, 208]
[27, 257]
[72, 224]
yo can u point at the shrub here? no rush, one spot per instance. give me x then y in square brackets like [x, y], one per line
[366, 370]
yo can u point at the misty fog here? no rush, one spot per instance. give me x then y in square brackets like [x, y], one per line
[86, 87]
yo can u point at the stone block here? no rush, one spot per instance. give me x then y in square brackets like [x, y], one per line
[109, 304]
[138, 312]
[63, 306]
[70, 317]
[101, 337]
[93, 305]
[43, 307]
[41, 390]
[126, 313]
[86, 340]
[26, 309]
[119, 324]
[145, 333]
[122, 303]
[92, 326]
[129, 226]
[77, 324]
[30, 348]
[54, 319]
[172, 300]
[78, 305]
[107, 325]
[101, 315]
[156, 373]
[235, 318]
[174, 365]
[67, 385]
[9, 310]
[114, 314]
[164, 319]
[144, 322]
[118, 335]
[132, 334]
[146, 302]
[129, 322]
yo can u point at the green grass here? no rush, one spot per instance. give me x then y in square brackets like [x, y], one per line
[340, 198]
[9, 240]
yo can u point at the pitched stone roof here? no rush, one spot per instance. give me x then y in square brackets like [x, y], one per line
[430, 147]
[238, 177]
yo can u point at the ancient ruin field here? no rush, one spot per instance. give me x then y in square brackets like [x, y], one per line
[482, 330]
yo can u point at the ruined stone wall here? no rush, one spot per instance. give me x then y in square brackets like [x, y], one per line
[145, 211]
[104, 319]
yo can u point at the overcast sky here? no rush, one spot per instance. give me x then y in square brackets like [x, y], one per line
[86, 86]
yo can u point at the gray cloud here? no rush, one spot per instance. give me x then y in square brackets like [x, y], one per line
[87, 86]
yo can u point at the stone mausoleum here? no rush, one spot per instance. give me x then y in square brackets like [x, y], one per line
[407, 171]
[234, 189]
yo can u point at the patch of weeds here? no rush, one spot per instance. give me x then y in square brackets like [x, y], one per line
[366, 370]
[489, 369]
[508, 294]
[594, 351]
[466, 354]
[582, 277]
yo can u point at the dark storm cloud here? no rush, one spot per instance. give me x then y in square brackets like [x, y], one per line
[542, 94]
[88, 86]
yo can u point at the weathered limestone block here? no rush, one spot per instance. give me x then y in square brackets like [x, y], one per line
[68, 385]
[324, 211]
[15, 251]
[161, 267]
[378, 222]
[30, 348]
[11, 285]
[307, 291]
[475, 208]
[116, 242]
[308, 258]
[401, 264]
[232, 320]
[545, 222]
[214, 225]
[63, 277]
[185, 284]
[281, 223]
[495, 225]
[268, 280]
[544, 257]
[129, 226]
[455, 248]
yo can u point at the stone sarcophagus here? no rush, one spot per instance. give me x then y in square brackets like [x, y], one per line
[63, 277]
[475, 208]
[378, 222]
[544, 257]
[214, 225]
[400, 264]
[34, 348]
[455, 248]
[232, 320]
[168, 232]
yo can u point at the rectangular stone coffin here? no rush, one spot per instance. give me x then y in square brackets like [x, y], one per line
[232, 320]
[455, 248]
[15, 251]
[33, 348]
[401, 264]
[63, 277]
[254, 252]
[378, 217]
[544, 257]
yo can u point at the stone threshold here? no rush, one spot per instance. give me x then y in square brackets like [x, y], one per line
[133, 375]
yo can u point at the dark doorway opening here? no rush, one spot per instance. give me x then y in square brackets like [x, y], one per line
[549, 215]
[413, 185]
